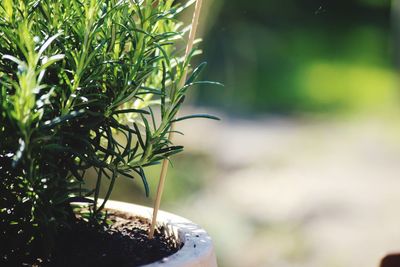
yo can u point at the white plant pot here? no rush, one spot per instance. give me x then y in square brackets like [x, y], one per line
[197, 251]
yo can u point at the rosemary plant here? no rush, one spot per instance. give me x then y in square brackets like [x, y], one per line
[85, 84]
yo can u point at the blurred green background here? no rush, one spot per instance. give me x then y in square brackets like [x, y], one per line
[299, 56]
[303, 169]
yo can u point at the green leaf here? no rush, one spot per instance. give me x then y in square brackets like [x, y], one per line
[131, 110]
[194, 116]
[15, 60]
[144, 180]
[48, 43]
[8, 8]
[51, 60]
[196, 72]
[60, 120]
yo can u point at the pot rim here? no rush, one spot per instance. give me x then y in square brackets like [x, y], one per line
[197, 249]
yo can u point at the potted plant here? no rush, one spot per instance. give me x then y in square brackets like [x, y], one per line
[90, 85]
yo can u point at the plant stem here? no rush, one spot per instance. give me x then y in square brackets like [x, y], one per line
[164, 168]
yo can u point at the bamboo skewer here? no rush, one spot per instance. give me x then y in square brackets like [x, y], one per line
[165, 164]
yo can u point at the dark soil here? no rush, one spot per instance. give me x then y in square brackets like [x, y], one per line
[123, 244]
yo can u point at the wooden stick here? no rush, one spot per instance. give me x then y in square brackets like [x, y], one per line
[165, 164]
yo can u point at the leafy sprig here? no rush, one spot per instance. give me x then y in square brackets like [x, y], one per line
[85, 85]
